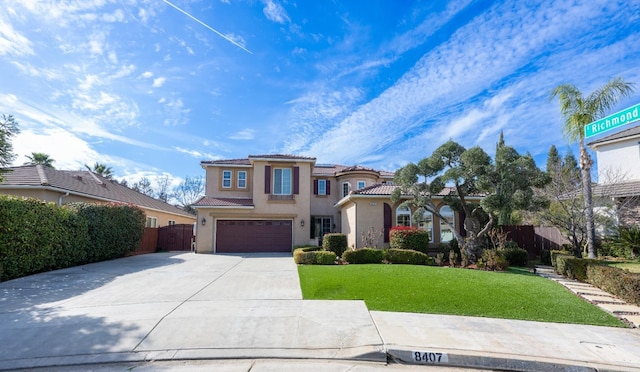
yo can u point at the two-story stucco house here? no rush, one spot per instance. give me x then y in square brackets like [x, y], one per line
[618, 159]
[272, 203]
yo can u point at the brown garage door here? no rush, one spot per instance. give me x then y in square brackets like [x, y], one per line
[240, 236]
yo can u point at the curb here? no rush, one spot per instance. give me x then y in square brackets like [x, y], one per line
[500, 362]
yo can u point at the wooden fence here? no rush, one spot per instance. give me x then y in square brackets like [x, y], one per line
[167, 238]
[535, 238]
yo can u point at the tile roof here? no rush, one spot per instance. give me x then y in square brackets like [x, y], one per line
[617, 190]
[228, 162]
[633, 131]
[333, 169]
[223, 202]
[385, 189]
[83, 182]
[282, 156]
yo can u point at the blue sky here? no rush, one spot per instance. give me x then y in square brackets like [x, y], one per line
[152, 87]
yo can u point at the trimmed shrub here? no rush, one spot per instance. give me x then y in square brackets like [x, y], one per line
[556, 253]
[313, 256]
[515, 256]
[363, 256]
[492, 260]
[619, 282]
[407, 256]
[576, 268]
[406, 237]
[336, 243]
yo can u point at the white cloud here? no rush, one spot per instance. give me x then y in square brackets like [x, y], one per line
[158, 82]
[12, 42]
[146, 74]
[275, 12]
[245, 134]
[197, 154]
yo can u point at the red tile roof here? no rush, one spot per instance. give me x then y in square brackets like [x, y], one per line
[383, 189]
[84, 183]
[282, 156]
[223, 202]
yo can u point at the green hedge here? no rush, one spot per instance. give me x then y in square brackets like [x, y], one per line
[515, 256]
[114, 229]
[37, 236]
[336, 243]
[363, 256]
[405, 237]
[555, 253]
[617, 281]
[313, 256]
[407, 256]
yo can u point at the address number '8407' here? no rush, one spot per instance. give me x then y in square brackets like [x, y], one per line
[429, 357]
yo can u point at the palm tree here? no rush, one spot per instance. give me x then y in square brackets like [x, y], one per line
[101, 169]
[578, 111]
[40, 158]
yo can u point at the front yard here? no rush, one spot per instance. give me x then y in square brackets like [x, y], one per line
[515, 294]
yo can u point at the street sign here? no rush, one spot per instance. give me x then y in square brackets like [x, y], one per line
[625, 116]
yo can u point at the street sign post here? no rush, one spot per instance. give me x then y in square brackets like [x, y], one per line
[625, 116]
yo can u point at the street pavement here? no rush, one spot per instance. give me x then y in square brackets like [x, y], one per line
[245, 312]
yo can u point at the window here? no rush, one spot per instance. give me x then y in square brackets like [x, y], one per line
[282, 181]
[446, 234]
[346, 187]
[322, 187]
[361, 185]
[426, 224]
[172, 222]
[226, 179]
[321, 226]
[242, 179]
[151, 222]
[403, 216]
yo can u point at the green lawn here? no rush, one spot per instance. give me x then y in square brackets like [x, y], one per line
[634, 267]
[515, 294]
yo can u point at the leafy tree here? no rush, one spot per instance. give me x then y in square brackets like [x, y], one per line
[578, 111]
[506, 187]
[189, 191]
[514, 181]
[101, 169]
[143, 186]
[40, 158]
[8, 129]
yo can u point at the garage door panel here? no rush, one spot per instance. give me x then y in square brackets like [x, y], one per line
[240, 236]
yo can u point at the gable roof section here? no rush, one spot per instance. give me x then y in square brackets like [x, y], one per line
[327, 170]
[83, 183]
[627, 133]
[617, 190]
[385, 190]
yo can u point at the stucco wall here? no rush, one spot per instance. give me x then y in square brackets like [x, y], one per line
[621, 160]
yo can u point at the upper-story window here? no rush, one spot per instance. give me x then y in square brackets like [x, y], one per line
[361, 185]
[282, 181]
[242, 180]
[226, 179]
[346, 188]
[403, 216]
[322, 187]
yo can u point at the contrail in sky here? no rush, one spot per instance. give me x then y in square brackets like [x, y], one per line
[207, 26]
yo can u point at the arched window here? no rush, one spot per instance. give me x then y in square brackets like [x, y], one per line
[403, 216]
[426, 223]
[445, 231]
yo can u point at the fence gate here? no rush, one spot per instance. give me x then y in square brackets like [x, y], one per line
[175, 237]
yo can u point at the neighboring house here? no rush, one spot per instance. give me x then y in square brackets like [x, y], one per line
[272, 203]
[618, 159]
[64, 187]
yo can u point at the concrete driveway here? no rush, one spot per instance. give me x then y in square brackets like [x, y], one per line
[177, 306]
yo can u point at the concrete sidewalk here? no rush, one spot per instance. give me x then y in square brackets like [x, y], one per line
[173, 307]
